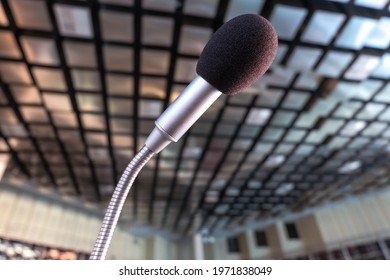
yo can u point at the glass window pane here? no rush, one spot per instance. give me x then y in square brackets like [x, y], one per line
[233, 114]
[90, 102]
[8, 46]
[385, 116]
[355, 33]
[304, 58]
[258, 116]
[384, 94]
[3, 17]
[295, 100]
[185, 70]
[73, 21]
[33, 114]
[86, 80]
[362, 67]
[347, 109]
[375, 4]
[150, 109]
[353, 127]
[279, 77]
[269, 98]
[93, 121]
[240, 7]
[374, 129]
[14, 72]
[295, 135]
[203, 8]
[161, 5]
[120, 106]
[49, 78]
[57, 102]
[334, 63]
[120, 84]
[26, 94]
[272, 134]
[121, 141]
[379, 37]
[362, 91]
[157, 31]
[283, 118]
[40, 50]
[153, 87]
[154, 62]
[96, 138]
[308, 81]
[80, 54]
[323, 27]
[121, 125]
[116, 26]
[383, 70]
[193, 39]
[370, 111]
[31, 14]
[306, 120]
[118, 58]
[287, 20]
[64, 119]
[119, 2]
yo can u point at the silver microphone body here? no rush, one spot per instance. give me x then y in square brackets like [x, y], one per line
[188, 107]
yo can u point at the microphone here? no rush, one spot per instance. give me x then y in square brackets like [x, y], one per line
[236, 56]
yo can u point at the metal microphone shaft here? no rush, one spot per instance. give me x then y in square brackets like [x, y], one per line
[189, 106]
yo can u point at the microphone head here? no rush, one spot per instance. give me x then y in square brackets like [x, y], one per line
[238, 53]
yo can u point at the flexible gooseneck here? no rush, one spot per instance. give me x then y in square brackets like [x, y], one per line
[116, 204]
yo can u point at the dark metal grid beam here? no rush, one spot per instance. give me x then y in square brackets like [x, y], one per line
[178, 17]
[136, 97]
[100, 65]
[72, 94]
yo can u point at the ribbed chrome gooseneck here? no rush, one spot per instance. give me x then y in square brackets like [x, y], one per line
[116, 204]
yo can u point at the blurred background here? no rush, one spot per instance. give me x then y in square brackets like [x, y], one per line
[296, 167]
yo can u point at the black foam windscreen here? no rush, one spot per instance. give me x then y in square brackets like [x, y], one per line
[238, 53]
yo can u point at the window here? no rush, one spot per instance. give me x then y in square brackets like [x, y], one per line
[292, 231]
[233, 245]
[261, 238]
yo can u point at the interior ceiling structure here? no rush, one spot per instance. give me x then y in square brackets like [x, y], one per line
[83, 81]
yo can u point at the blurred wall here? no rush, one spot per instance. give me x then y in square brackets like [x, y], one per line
[349, 222]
